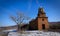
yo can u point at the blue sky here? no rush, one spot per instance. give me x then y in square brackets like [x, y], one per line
[30, 8]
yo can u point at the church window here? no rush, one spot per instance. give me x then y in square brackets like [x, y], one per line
[42, 19]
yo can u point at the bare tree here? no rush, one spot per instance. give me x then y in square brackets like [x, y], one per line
[19, 19]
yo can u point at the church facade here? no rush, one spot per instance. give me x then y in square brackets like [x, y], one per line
[40, 22]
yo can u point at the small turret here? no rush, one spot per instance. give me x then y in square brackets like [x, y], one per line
[41, 10]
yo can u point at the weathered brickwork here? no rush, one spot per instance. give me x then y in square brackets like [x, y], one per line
[41, 21]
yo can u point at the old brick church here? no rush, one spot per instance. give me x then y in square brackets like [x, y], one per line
[40, 22]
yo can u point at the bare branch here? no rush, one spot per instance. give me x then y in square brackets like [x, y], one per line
[19, 18]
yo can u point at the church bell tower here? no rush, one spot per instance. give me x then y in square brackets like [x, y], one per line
[42, 20]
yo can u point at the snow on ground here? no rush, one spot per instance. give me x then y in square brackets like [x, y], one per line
[34, 33]
[9, 30]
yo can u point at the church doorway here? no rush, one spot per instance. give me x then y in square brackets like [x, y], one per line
[43, 26]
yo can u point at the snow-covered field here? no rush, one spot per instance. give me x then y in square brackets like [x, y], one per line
[34, 33]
